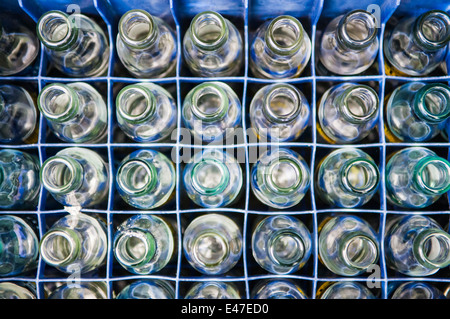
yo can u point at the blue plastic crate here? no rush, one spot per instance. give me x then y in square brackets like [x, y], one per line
[247, 15]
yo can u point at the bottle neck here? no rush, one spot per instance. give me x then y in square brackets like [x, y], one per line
[283, 176]
[61, 247]
[57, 31]
[137, 177]
[210, 249]
[209, 31]
[359, 176]
[432, 248]
[431, 175]
[432, 30]
[135, 247]
[61, 175]
[358, 104]
[286, 248]
[58, 102]
[357, 30]
[432, 103]
[284, 35]
[358, 250]
[138, 29]
[209, 102]
[210, 177]
[282, 104]
[135, 104]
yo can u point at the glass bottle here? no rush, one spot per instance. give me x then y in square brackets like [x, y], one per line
[212, 244]
[213, 178]
[146, 179]
[19, 46]
[80, 290]
[148, 289]
[280, 178]
[278, 289]
[146, 112]
[279, 112]
[144, 244]
[281, 244]
[211, 111]
[417, 112]
[347, 113]
[416, 177]
[10, 290]
[347, 177]
[75, 112]
[348, 245]
[280, 49]
[344, 290]
[213, 290]
[75, 44]
[76, 177]
[417, 46]
[18, 116]
[417, 290]
[212, 46]
[76, 243]
[146, 45]
[19, 246]
[19, 179]
[349, 44]
[416, 245]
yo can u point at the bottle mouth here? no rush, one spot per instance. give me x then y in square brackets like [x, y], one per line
[433, 247]
[58, 102]
[136, 177]
[210, 249]
[137, 28]
[432, 175]
[360, 104]
[284, 35]
[60, 247]
[432, 102]
[61, 175]
[360, 251]
[135, 104]
[357, 29]
[209, 30]
[360, 176]
[56, 30]
[210, 177]
[284, 175]
[282, 103]
[286, 248]
[433, 29]
[209, 102]
[134, 247]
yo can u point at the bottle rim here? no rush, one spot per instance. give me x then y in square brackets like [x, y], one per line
[419, 247]
[371, 173]
[203, 18]
[279, 22]
[366, 255]
[124, 105]
[62, 165]
[218, 239]
[420, 180]
[143, 17]
[420, 34]
[70, 237]
[421, 108]
[368, 97]
[289, 261]
[295, 168]
[125, 256]
[131, 167]
[48, 96]
[204, 89]
[62, 42]
[220, 186]
[288, 91]
[370, 24]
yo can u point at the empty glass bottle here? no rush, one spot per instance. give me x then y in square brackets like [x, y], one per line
[213, 290]
[18, 116]
[279, 112]
[213, 178]
[280, 49]
[347, 177]
[19, 246]
[347, 113]
[278, 289]
[75, 44]
[144, 244]
[281, 244]
[211, 111]
[348, 245]
[212, 244]
[146, 45]
[417, 46]
[416, 177]
[416, 245]
[19, 180]
[75, 112]
[76, 177]
[280, 178]
[80, 290]
[146, 179]
[76, 243]
[349, 44]
[417, 290]
[212, 46]
[19, 46]
[146, 112]
[10, 290]
[417, 112]
[147, 289]
[344, 290]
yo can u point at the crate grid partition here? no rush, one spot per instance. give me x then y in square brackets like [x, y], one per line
[247, 15]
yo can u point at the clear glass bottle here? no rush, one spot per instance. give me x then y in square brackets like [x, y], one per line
[74, 44]
[416, 245]
[348, 245]
[146, 179]
[347, 113]
[80, 290]
[281, 244]
[76, 177]
[417, 290]
[76, 243]
[417, 112]
[19, 246]
[278, 289]
[211, 111]
[212, 46]
[213, 178]
[147, 289]
[144, 244]
[10, 290]
[280, 49]
[75, 112]
[280, 178]
[19, 46]
[344, 290]
[18, 116]
[213, 290]
[146, 45]
[417, 46]
[146, 112]
[347, 177]
[212, 244]
[349, 44]
[416, 177]
[279, 112]
[19, 180]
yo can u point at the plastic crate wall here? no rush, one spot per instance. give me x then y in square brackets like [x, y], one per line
[247, 15]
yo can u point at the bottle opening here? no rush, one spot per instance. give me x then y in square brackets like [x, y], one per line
[136, 177]
[360, 176]
[358, 29]
[433, 175]
[434, 29]
[285, 175]
[135, 104]
[436, 249]
[282, 103]
[209, 102]
[284, 35]
[433, 102]
[210, 249]
[210, 177]
[55, 29]
[136, 28]
[61, 175]
[59, 247]
[286, 248]
[360, 252]
[360, 104]
[209, 30]
[134, 247]
[57, 102]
